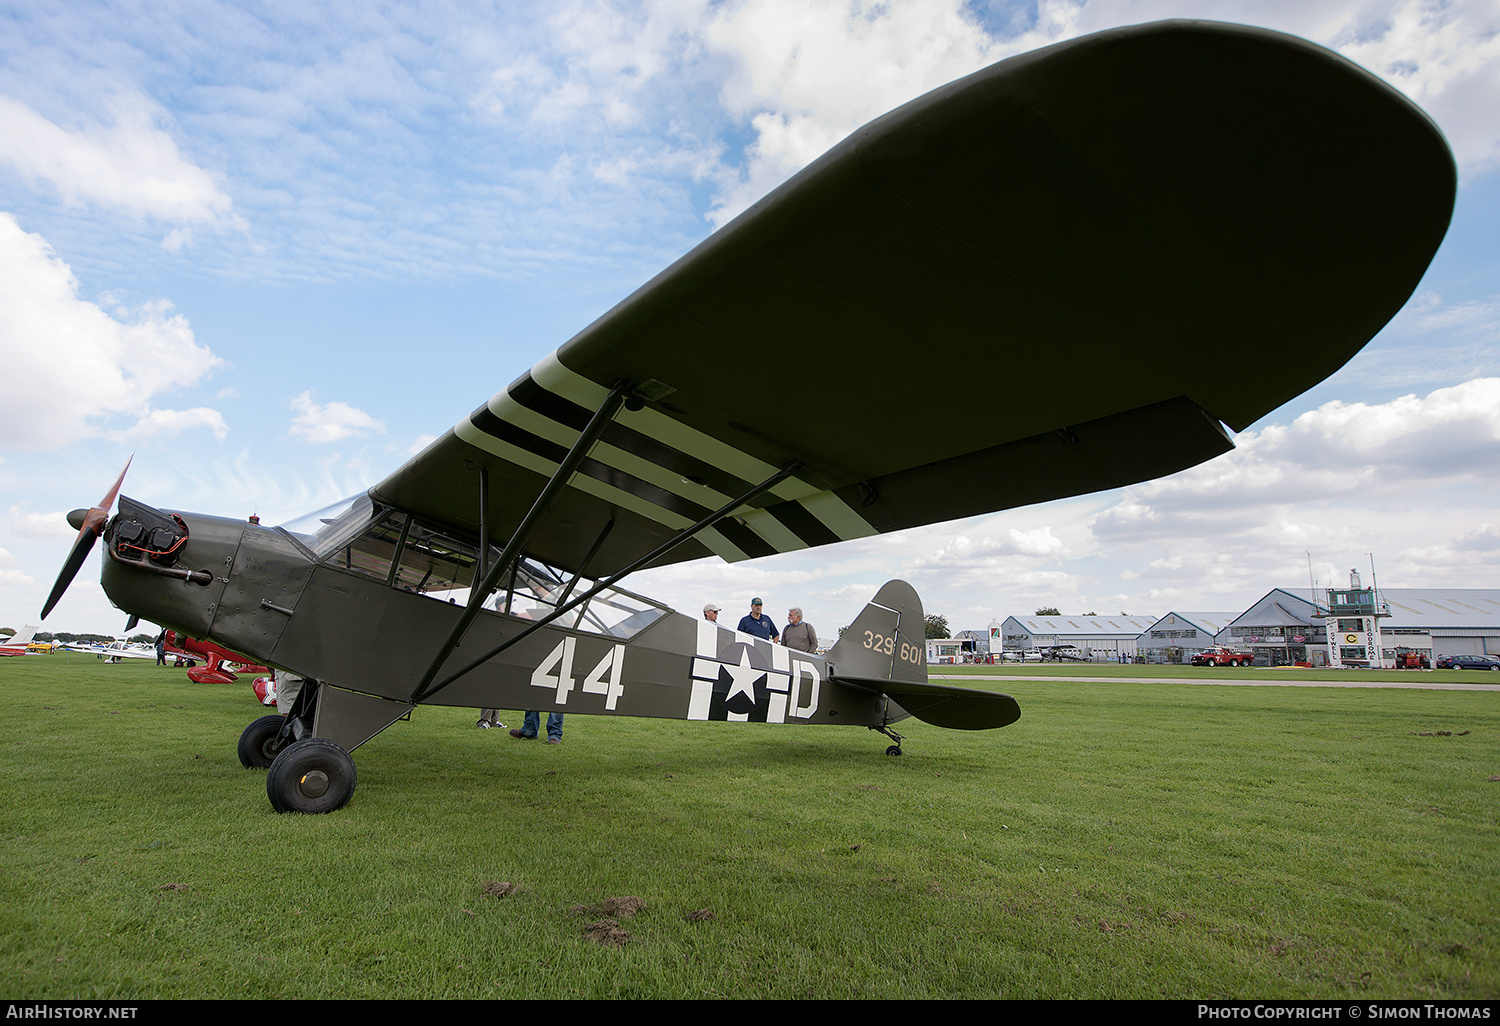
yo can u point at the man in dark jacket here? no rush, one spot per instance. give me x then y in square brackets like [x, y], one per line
[760, 626]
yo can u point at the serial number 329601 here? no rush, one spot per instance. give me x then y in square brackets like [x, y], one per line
[887, 644]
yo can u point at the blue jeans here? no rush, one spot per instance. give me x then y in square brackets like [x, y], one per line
[533, 721]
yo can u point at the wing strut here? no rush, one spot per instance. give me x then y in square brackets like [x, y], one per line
[582, 567]
[423, 692]
[523, 531]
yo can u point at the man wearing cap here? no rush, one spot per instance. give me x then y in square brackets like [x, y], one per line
[760, 626]
[711, 613]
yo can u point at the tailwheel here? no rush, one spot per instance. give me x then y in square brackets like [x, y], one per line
[894, 749]
[258, 745]
[315, 775]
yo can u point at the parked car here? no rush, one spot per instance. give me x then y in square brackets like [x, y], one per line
[1221, 656]
[1468, 662]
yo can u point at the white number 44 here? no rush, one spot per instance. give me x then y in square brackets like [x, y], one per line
[556, 671]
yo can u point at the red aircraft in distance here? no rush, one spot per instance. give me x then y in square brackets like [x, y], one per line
[220, 665]
[16, 644]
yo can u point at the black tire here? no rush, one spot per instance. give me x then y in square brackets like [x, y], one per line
[315, 775]
[256, 743]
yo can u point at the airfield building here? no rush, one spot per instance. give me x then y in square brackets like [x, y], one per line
[944, 650]
[977, 643]
[1287, 625]
[1177, 637]
[1100, 639]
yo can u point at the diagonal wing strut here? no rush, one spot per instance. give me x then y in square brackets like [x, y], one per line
[423, 691]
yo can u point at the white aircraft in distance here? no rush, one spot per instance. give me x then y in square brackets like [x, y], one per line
[114, 651]
[16, 643]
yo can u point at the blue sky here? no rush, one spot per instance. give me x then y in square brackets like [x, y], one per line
[273, 249]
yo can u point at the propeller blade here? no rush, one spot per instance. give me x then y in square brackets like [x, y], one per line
[90, 524]
[107, 503]
[81, 548]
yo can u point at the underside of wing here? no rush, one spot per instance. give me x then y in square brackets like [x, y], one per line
[1058, 275]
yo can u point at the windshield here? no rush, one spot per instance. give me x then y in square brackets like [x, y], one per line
[328, 529]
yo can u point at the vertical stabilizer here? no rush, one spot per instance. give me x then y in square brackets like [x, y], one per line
[887, 641]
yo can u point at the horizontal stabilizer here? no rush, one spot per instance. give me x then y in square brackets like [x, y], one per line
[944, 705]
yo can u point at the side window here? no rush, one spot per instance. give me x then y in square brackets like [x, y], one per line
[536, 593]
[536, 590]
[619, 614]
[434, 562]
[372, 552]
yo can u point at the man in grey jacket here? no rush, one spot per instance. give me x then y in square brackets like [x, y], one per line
[799, 634]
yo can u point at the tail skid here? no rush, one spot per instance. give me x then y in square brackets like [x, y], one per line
[885, 650]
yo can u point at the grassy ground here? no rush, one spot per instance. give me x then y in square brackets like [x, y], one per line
[1277, 674]
[1121, 840]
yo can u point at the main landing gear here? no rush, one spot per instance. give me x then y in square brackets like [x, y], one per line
[315, 775]
[305, 773]
[261, 742]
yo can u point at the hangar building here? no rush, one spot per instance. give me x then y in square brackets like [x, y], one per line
[1101, 639]
[1177, 637]
[1286, 626]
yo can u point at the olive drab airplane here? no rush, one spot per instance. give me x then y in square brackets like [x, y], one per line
[1140, 205]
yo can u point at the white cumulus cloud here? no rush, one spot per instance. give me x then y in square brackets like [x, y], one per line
[69, 365]
[330, 422]
[131, 165]
[806, 74]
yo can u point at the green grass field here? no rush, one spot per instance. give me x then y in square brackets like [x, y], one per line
[1271, 674]
[1121, 840]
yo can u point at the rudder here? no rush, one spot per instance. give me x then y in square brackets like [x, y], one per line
[887, 641]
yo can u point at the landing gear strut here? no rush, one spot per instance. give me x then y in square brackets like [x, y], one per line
[894, 749]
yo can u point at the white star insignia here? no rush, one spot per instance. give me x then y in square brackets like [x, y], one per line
[742, 678]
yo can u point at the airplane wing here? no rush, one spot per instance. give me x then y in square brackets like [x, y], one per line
[1057, 275]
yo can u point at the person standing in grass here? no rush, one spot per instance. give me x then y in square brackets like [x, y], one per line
[531, 725]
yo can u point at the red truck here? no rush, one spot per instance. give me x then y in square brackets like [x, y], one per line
[1412, 659]
[1221, 656]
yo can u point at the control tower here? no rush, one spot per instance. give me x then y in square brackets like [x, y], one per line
[1353, 620]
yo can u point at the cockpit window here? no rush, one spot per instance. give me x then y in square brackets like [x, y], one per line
[329, 529]
[371, 553]
[365, 537]
[434, 561]
[539, 589]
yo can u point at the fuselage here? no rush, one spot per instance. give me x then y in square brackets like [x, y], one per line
[365, 604]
